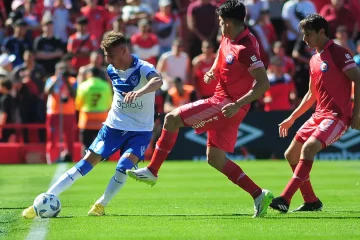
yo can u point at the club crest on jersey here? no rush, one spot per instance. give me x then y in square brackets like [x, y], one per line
[324, 67]
[229, 59]
[134, 80]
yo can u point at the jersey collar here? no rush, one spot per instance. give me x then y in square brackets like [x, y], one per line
[242, 35]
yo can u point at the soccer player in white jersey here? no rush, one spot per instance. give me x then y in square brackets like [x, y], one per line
[128, 126]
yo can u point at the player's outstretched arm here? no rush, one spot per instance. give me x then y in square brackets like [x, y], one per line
[354, 75]
[155, 82]
[306, 103]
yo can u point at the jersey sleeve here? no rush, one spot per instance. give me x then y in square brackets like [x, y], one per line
[147, 69]
[250, 58]
[342, 58]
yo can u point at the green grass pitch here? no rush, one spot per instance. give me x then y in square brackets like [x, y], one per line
[191, 200]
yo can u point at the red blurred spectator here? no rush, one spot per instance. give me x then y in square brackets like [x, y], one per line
[145, 44]
[319, 4]
[166, 25]
[202, 64]
[81, 44]
[97, 17]
[289, 64]
[282, 90]
[337, 14]
[202, 22]
[113, 13]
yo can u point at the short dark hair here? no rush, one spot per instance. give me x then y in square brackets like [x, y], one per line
[82, 20]
[232, 9]
[314, 22]
[112, 39]
[6, 83]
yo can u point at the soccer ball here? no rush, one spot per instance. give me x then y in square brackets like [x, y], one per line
[47, 205]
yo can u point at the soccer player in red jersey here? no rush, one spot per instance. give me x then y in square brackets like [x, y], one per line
[236, 68]
[332, 70]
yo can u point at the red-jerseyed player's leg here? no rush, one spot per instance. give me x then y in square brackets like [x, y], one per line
[217, 159]
[167, 140]
[302, 171]
[292, 155]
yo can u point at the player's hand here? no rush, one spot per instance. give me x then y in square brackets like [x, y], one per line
[208, 77]
[285, 125]
[131, 96]
[355, 121]
[230, 109]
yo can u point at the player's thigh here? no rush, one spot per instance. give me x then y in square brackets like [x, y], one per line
[329, 130]
[135, 147]
[310, 148]
[108, 141]
[216, 157]
[204, 114]
[305, 131]
[292, 153]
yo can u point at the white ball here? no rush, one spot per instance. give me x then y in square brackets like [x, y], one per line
[47, 205]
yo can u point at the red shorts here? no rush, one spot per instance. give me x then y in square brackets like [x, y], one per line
[325, 130]
[206, 116]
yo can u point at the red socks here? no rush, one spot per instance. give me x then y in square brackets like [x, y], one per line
[306, 189]
[163, 147]
[301, 173]
[237, 176]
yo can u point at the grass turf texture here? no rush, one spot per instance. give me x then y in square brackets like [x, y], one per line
[190, 201]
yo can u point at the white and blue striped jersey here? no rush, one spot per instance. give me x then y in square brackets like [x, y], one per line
[138, 115]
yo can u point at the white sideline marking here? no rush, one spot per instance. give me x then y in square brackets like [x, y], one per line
[39, 228]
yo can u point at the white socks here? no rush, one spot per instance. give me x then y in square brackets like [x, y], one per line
[114, 186]
[65, 181]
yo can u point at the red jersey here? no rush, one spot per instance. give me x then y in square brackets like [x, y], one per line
[333, 87]
[279, 92]
[202, 67]
[98, 18]
[147, 44]
[80, 44]
[289, 65]
[236, 59]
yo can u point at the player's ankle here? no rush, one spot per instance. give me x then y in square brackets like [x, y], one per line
[153, 171]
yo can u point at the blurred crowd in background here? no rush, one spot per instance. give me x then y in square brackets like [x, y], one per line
[50, 48]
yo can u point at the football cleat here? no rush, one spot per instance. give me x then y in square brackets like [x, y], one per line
[280, 204]
[97, 210]
[310, 207]
[29, 213]
[262, 202]
[143, 175]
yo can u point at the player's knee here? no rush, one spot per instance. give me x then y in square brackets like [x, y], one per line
[309, 150]
[92, 158]
[172, 120]
[290, 156]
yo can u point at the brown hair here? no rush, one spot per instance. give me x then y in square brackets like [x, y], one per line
[112, 39]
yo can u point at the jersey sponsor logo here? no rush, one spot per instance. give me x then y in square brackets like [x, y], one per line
[324, 67]
[229, 59]
[204, 122]
[325, 124]
[253, 58]
[135, 105]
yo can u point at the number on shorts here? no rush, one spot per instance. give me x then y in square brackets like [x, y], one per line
[95, 97]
